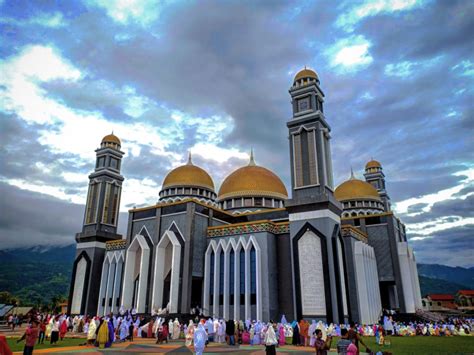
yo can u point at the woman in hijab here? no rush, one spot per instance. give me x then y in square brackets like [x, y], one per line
[63, 329]
[91, 331]
[296, 333]
[102, 334]
[200, 339]
[270, 340]
[189, 333]
[311, 330]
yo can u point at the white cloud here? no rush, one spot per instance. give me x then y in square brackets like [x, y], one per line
[402, 207]
[350, 54]
[464, 68]
[76, 132]
[143, 12]
[370, 8]
[218, 154]
[408, 68]
[51, 20]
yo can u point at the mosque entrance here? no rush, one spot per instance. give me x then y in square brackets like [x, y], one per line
[196, 292]
[166, 289]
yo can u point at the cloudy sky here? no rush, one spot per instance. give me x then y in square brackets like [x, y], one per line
[213, 77]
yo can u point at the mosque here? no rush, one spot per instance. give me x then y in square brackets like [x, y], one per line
[249, 250]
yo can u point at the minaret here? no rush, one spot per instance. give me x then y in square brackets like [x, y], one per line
[100, 225]
[314, 212]
[374, 175]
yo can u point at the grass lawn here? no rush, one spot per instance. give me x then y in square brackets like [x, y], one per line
[424, 345]
[66, 342]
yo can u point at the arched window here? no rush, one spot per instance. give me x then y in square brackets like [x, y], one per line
[231, 276]
[211, 279]
[253, 276]
[242, 275]
[221, 278]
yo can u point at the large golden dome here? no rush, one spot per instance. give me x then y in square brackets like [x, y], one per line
[306, 73]
[111, 138]
[252, 180]
[188, 175]
[355, 189]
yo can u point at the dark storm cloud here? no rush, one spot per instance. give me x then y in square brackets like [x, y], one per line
[449, 247]
[21, 155]
[453, 209]
[30, 218]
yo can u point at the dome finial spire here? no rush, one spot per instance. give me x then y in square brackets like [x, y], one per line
[352, 174]
[190, 160]
[252, 160]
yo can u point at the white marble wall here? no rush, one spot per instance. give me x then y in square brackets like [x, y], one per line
[368, 291]
[313, 298]
[409, 275]
[405, 273]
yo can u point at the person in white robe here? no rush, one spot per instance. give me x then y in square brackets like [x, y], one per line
[189, 334]
[200, 339]
[311, 330]
[91, 332]
[176, 329]
[221, 332]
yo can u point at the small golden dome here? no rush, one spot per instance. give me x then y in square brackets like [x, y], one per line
[306, 73]
[111, 138]
[252, 180]
[188, 175]
[373, 164]
[355, 189]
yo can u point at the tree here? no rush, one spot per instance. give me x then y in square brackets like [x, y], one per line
[7, 298]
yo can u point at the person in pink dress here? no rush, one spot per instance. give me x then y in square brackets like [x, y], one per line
[281, 335]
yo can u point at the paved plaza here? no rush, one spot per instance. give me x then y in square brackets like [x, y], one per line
[148, 346]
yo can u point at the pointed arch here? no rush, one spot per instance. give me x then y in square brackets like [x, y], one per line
[139, 243]
[162, 250]
[80, 275]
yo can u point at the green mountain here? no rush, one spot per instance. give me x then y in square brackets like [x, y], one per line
[458, 275]
[36, 275]
[430, 285]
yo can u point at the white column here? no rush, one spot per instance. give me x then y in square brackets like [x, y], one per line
[406, 277]
[128, 281]
[361, 281]
[118, 279]
[225, 308]
[103, 286]
[215, 307]
[207, 272]
[142, 282]
[174, 287]
[237, 284]
[247, 285]
[258, 283]
[110, 285]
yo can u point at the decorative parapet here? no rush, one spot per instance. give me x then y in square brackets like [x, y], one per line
[116, 244]
[248, 227]
[350, 231]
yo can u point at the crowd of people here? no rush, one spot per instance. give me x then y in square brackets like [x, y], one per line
[199, 331]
